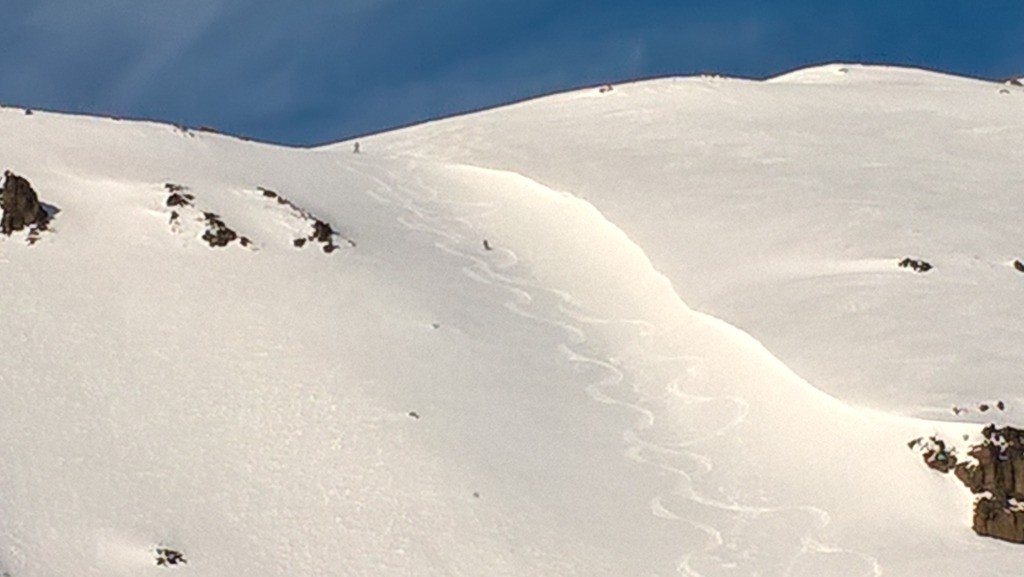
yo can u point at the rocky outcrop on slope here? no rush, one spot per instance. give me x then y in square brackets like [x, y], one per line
[21, 207]
[216, 232]
[935, 453]
[188, 218]
[997, 473]
[167, 557]
[320, 231]
[917, 265]
[994, 470]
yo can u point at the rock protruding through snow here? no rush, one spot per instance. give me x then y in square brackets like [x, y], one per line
[167, 557]
[917, 265]
[998, 475]
[20, 205]
[322, 231]
[216, 232]
[995, 471]
[936, 454]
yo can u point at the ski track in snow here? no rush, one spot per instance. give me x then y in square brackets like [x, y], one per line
[617, 384]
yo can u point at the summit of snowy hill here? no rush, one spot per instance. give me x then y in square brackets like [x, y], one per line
[845, 73]
[676, 327]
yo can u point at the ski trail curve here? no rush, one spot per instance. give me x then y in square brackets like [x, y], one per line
[625, 366]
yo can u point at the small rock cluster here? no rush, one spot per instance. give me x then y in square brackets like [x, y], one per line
[982, 407]
[917, 265]
[217, 233]
[922, 266]
[177, 198]
[322, 232]
[167, 557]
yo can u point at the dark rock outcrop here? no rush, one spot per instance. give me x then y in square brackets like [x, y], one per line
[166, 557]
[20, 205]
[1018, 265]
[179, 199]
[994, 518]
[917, 265]
[178, 196]
[217, 233]
[995, 471]
[999, 469]
[322, 232]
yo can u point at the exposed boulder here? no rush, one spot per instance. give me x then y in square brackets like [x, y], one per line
[1018, 265]
[20, 205]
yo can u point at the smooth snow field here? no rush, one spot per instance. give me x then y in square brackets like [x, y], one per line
[653, 331]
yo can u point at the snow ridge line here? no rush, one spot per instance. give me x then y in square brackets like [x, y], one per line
[620, 385]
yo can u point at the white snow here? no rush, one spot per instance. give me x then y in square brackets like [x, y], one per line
[689, 350]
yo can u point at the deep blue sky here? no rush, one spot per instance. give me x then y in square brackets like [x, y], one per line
[311, 71]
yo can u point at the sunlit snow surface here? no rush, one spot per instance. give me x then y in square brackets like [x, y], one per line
[561, 404]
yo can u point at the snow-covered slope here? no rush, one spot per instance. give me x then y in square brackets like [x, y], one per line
[556, 402]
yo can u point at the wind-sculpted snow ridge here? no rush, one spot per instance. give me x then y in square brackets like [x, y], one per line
[766, 475]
